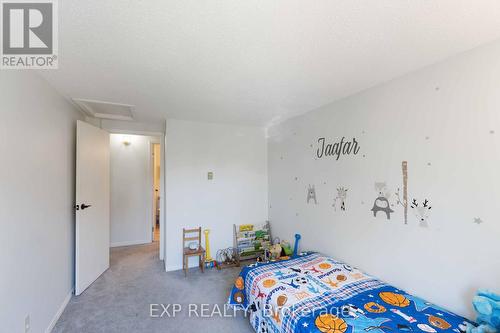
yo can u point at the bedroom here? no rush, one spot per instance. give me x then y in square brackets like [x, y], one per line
[371, 129]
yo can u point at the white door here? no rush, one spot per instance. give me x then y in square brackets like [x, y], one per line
[92, 205]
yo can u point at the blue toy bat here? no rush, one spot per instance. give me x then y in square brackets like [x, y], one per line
[296, 246]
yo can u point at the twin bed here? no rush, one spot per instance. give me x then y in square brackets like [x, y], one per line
[314, 293]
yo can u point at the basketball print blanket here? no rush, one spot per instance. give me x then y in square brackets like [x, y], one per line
[312, 293]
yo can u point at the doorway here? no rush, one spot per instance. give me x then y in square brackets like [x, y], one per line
[156, 172]
[136, 193]
[119, 196]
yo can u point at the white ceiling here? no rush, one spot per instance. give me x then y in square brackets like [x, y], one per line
[253, 61]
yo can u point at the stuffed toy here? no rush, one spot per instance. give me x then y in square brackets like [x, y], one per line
[487, 306]
[275, 251]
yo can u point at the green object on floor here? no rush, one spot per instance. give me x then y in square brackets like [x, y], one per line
[287, 248]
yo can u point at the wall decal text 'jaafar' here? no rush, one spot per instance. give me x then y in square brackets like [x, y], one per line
[336, 149]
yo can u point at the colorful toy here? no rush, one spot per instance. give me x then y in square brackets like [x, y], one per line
[210, 264]
[209, 261]
[275, 251]
[227, 258]
[487, 306]
[296, 246]
[287, 248]
[207, 246]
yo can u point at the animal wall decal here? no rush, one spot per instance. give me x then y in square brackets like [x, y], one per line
[340, 199]
[382, 190]
[311, 194]
[404, 201]
[422, 211]
[382, 203]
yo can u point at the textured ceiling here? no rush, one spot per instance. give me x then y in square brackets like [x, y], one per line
[253, 62]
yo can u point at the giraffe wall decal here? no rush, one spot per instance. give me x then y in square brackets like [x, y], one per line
[340, 199]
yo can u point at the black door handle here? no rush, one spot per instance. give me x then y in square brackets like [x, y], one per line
[84, 206]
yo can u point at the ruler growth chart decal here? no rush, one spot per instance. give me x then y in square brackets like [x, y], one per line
[404, 201]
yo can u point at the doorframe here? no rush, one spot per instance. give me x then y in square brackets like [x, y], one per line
[161, 136]
[152, 179]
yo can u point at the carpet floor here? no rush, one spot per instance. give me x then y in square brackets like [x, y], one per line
[119, 301]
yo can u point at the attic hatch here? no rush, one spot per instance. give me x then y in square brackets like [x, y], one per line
[105, 110]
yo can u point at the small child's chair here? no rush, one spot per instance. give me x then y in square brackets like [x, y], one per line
[200, 252]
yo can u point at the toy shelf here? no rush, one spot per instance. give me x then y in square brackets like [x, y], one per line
[251, 240]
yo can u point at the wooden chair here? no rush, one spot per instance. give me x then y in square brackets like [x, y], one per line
[200, 252]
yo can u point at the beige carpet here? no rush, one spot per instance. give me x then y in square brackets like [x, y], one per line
[119, 301]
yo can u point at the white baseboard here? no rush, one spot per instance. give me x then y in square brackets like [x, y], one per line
[127, 243]
[179, 267]
[173, 268]
[59, 312]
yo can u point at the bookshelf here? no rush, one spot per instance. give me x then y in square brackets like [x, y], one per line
[250, 240]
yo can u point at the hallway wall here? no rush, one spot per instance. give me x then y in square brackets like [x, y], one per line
[131, 189]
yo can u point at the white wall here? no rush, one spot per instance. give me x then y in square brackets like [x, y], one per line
[131, 189]
[37, 163]
[238, 193]
[440, 120]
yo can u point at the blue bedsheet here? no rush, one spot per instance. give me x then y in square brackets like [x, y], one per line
[315, 293]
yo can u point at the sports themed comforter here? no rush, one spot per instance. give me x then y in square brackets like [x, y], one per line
[314, 293]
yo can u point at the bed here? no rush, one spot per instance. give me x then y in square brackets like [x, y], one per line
[315, 293]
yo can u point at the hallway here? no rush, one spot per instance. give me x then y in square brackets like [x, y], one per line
[120, 299]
